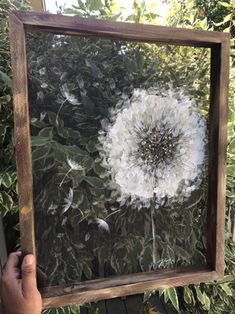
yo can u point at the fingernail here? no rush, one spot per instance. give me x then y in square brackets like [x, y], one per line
[28, 260]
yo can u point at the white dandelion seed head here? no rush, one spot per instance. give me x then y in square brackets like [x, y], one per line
[74, 165]
[154, 146]
[68, 96]
[42, 71]
[44, 85]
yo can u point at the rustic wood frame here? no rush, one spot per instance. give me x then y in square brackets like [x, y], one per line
[93, 290]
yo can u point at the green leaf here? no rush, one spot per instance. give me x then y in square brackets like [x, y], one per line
[3, 129]
[40, 153]
[231, 170]
[226, 279]
[94, 68]
[54, 119]
[78, 197]
[148, 294]
[203, 298]
[232, 145]
[62, 131]
[207, 302]
[91, 147]
[6, 180]
[227, 18]
[139, 60]
[226, 289]
[187, 295]
[7, 201]
[99, 170]
[6, 79]
[75, 309]
[227, 30]
[39, 140]
[173, 297]
[94, 182]
[59, 153]
[87, 271]
[182, 253]
[73, 133]
[87, 164]
[76, 150]
[225, 4]
[46, 132]
[94, 5]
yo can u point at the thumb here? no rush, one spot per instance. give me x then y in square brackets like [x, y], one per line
[28, 268]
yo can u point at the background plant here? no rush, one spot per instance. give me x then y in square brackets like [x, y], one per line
[8, 196]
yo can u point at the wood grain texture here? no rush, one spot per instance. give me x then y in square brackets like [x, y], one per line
[101, 289]
[119, 30]
[217, 156]
[222, 140]
[22, 135]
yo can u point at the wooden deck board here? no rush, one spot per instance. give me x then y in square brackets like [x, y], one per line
[133, 303]
[83, 310]
[127, 305]
[116, 306]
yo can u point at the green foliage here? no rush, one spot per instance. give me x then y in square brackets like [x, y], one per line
[8, 198]
[170, 295]
[74, 309]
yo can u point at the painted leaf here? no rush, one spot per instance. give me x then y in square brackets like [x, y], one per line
[67, 201]
[39, 140]
[6, 79]
[94, 182]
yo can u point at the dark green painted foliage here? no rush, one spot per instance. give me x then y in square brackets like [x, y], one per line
[73, 83]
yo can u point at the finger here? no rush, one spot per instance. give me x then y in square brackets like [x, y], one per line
[12, 265]
[28, 274]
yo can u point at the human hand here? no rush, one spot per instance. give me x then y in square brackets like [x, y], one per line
[18, 288]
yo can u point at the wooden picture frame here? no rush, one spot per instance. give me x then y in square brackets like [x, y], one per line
[93, 290]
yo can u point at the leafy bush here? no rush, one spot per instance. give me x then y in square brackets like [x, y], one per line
[8, 199]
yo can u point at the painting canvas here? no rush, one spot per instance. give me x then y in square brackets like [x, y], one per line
[119, 154]
[120, 149]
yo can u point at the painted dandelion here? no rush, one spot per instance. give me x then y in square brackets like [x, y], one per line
[120, 182]
[153, 146]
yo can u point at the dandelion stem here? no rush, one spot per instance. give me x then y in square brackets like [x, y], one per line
[154, 234]
[67, 173]
[112, 214]
[57, 116]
